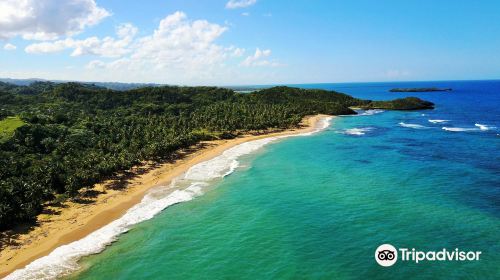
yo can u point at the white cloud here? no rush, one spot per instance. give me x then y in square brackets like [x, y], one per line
[47, 19]
[259, 58]
[235, 4]
[179, 49]
[106, 47]
[178, 42]
[233, 51]
[237, 52]
[245, 14]
[9, 47]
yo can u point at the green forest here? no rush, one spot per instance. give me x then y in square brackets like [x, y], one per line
[57, 139]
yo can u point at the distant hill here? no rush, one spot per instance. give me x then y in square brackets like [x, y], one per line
[108, 85]
[408, 103]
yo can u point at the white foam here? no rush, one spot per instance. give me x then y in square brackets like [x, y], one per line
[439, 121]
[414, 126]
[370, 112]
[322, 124]
[357, 131]
[484, 126]
[226, 163]
[459, 129]
[478, 127]
[64, 259]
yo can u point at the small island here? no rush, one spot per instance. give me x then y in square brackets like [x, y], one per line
[403, 104]
[420, 89]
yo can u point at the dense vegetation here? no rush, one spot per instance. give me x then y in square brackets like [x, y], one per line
[408, 103]
[72, 136]
[419, 89]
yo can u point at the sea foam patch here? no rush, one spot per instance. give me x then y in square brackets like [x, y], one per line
[411, 125]
[358, 131]
[460, 129]
[322, 124]
[370, 112]
[484, 126]
[438, 121]
[64, 259]
[478, 127]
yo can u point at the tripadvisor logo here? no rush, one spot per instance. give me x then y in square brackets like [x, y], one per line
[387, 255]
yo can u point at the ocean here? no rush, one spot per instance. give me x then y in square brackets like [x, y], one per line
[318, 206]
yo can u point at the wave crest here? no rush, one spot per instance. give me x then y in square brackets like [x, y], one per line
[484, 126]
[414, 126]
[438, 121]
[459, 129]
[357, 131]
[370, 112]
[478, 127]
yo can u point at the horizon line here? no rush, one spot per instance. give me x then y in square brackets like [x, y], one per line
[245, 85]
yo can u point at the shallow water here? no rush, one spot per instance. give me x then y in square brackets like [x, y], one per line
[317, 207]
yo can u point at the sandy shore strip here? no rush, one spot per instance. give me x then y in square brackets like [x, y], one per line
[73, 221]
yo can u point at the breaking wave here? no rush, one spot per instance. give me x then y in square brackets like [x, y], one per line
[438, 121]
[484, 126]
[370, 112]
[357, 131]
[478, 127]
[460, 129]
[414, 126]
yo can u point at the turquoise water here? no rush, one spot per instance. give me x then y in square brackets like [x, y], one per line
[317, 207]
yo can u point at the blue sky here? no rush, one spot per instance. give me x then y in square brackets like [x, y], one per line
[230, 42]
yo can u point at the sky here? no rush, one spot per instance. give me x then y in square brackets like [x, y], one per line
[248, 42]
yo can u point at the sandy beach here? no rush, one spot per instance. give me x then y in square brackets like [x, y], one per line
[63, 224]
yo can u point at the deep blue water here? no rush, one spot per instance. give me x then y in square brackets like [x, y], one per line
[317, 207]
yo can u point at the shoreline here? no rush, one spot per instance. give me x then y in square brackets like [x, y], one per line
[78, 220]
